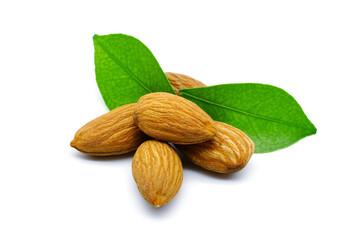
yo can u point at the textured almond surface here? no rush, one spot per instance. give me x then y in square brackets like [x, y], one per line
[171, 118]
[157, 171]
[181, 81]
[110, 134]
[229, 151]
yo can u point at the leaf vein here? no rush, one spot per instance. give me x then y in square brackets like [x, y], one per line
[123, 67]
[243, 112]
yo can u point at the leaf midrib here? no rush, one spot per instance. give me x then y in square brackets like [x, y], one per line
[122, 66]
[246, 113]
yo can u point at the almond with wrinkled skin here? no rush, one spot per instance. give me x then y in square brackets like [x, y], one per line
[181, 81]
[171, 118]
[229, 151]
[157, 171]
[110, 134]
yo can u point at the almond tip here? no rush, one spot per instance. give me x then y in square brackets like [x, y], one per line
[73, 143]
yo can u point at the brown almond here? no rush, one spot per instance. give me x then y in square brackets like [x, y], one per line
[229, 151]
[181, 81]
[171, 118]
[157, 171]
[110, 134]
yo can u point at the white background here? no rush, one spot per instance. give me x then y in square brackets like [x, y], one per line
[309, 190]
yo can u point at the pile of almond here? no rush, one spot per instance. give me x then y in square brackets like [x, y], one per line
[148, 127]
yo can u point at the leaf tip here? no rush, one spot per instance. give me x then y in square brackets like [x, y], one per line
[96, 36]
[314, 129]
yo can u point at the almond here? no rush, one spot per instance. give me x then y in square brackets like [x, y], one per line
[110, 134]
[181, 81]
[229, 151]
[157, 171]
[171, 118]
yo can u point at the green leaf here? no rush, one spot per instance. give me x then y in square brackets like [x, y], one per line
[268, 115]
[126, 70]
